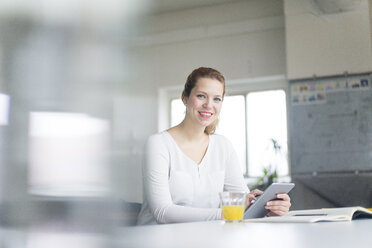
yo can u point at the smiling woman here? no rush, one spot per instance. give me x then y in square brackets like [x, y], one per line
[187, 165]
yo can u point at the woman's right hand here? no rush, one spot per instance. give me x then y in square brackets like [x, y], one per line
[251, 197]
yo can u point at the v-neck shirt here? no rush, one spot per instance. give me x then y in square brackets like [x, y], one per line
[177, 189]
[182, 152]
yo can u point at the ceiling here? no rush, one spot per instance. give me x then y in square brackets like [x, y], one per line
[161, 6]
[338, 6]
[67, 10]
[154, 7]
[325, 6]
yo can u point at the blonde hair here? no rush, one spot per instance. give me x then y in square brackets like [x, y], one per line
[203, 72]
[211, 129]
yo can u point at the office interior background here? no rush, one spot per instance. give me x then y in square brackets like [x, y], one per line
[84, 83]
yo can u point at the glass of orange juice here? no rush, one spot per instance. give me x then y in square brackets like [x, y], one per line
[233, 205]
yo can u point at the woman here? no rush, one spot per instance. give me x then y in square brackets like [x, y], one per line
[188, 165]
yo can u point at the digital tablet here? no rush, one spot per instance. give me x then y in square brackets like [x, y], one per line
[257, 209]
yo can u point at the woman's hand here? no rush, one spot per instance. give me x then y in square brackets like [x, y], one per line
[251, 197]
[280, 207]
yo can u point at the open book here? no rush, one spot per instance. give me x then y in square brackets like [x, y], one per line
[318, 215]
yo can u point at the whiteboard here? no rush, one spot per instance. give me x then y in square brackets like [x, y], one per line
[330, 124]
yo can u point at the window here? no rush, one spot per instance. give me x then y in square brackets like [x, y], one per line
[267, 132]
[232, 125]
[177, 112]
[4, 109]
[256, 124]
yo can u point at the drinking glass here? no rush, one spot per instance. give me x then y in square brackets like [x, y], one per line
[233, 205]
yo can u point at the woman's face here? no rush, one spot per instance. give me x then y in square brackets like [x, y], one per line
[205, 101]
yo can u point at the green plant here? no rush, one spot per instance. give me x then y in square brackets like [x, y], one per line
[270, 174]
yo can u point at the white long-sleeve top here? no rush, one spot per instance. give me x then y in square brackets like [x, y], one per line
[176, 189]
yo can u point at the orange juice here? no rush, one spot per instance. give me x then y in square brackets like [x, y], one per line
[231, 213]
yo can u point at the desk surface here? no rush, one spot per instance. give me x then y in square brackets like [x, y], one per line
[215, 234]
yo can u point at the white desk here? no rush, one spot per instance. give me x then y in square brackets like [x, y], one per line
[216, 234]
[355, 234]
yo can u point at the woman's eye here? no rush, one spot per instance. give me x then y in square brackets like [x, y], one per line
[217, 99]
[200, 96]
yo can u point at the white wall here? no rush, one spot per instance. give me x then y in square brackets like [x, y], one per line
[326, 44]
[243, 40]
[370, 20]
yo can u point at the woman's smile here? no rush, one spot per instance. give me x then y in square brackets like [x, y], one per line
[205, 115]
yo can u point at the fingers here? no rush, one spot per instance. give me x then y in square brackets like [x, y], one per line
[279, 207]
[256, 192]
[251, 196]
[285, 197]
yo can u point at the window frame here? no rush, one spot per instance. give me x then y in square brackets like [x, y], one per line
[233, 87]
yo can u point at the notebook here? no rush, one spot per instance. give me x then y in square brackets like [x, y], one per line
[319, 215]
